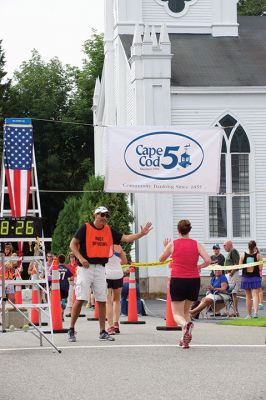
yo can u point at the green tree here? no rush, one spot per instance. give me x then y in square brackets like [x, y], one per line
[66, 225]
[81, 107]
[4, 90]
[252, 7]
[91, 70]
[64, 147]
[46, 91]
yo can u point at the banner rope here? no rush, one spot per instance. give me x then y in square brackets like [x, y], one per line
[211, 267]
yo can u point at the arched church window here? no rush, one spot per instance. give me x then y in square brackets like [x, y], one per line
[240, 143]
[228, 123]
[229, 212]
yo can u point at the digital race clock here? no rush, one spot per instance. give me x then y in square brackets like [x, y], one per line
[24, 227]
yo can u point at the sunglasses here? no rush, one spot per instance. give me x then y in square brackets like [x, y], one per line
[106, 215]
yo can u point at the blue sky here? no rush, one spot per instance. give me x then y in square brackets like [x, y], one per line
[53, 27]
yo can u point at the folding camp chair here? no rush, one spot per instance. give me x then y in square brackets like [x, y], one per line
[228, 303]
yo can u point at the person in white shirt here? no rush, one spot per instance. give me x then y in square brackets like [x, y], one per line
[114, 278]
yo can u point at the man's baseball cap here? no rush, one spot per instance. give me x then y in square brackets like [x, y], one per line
[101, 210]
[216, 246]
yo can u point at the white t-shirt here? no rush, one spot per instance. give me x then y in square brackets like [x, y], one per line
[113, 268]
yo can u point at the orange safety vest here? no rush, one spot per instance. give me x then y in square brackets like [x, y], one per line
[99, 242]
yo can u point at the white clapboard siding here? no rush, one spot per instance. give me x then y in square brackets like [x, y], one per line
[194, 117]
[189, 206]
[155, 13]
[117, 69]
[121, 83]
[130, 99]
[254, 122]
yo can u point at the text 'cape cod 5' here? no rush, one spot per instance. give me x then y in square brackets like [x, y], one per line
[165, 159]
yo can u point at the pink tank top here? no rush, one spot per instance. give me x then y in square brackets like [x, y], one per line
[185, 259]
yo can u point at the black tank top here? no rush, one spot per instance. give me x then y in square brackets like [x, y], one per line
[250, 258]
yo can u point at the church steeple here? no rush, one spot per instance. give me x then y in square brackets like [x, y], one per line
[214, 17]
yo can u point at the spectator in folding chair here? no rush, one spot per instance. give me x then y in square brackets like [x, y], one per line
[217, 291]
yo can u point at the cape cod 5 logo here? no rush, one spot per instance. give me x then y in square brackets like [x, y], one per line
[164, 155]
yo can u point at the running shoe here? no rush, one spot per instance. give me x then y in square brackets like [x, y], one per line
[104, 336]
[111, 330]
[261, 306]
[248, 317]
[72, 335]
[255, 315]
[181, 343]
[116, 327]
[187, 336]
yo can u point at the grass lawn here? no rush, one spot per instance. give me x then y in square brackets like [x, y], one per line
[245, 322]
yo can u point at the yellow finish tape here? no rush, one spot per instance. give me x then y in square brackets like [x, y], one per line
[211, 267]
[214, 267]
[147, 264]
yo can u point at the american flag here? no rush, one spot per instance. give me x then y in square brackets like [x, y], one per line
[18, 144]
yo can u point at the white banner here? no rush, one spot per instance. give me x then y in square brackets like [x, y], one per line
[162, 159]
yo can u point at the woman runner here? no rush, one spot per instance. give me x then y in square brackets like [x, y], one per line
[185, 276]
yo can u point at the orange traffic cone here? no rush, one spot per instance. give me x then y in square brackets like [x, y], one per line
[132, 315]
[96, 313]
[35, 298]
[170, 324]
[18, 294]
[56, 300]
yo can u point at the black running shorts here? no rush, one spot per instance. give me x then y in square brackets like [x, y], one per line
[184, 289]
[114, 283]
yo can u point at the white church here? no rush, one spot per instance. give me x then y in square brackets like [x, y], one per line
[191, 63]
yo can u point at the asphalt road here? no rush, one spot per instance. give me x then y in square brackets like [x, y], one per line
[224, 362]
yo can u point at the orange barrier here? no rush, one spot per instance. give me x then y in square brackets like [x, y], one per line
[96, 313]
[56, 300]
[132, 315]
[18, 293]
[170, 324]
[35, 313]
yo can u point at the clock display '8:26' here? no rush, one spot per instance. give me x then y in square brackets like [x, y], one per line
[17, 228]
